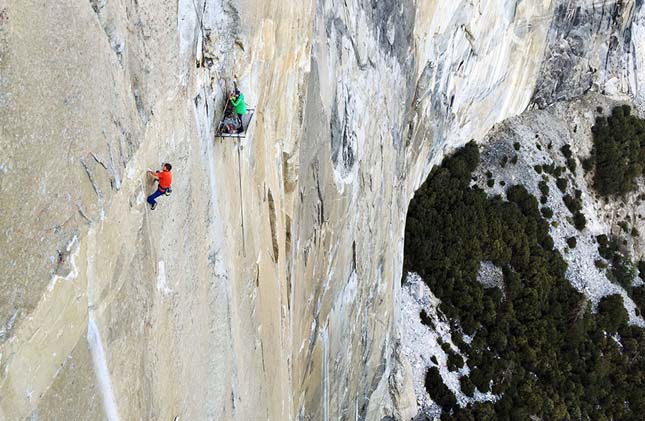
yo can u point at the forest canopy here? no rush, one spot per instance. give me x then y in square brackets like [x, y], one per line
[536, 344]
[619, 151]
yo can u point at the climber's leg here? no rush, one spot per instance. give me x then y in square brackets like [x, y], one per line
[153, 196]
[239, 119]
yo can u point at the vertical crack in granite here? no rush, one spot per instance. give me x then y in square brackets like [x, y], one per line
[272, 222]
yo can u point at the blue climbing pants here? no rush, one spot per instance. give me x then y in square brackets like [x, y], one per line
[153, 196]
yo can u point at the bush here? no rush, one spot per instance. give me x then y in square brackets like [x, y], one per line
[602, 240]
[623, 271]
[538, 169]
[572, 242]
[566, 151]
[467, 387]
[600, 264]
[546, 212]
[623, 226]
[458, 339]
[638, 296]
[611, 313]
[606, 247]
[438, 391]
[587, 164]
[544, 188]
[641, 269]
[455, 361]
[574, 205]
[579, 221]
[480, 380]
[516, 146]
[426, 320]
[562, 184]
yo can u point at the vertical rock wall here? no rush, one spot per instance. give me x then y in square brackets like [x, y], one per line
[266, 285]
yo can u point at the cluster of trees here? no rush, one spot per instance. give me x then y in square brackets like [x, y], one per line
[568, 155]
[619, 151]
[536, 344]
[575, 207]
[440, 392]
[638, 296]
[622, 270]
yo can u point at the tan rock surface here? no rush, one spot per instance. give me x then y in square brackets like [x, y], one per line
[266, 286]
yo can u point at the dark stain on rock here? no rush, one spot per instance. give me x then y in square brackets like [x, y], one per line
[393, 23]
[342, 140]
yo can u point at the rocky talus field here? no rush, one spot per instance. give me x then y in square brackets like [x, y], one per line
[269, 284]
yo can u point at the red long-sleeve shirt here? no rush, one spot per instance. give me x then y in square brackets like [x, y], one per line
[165, 179]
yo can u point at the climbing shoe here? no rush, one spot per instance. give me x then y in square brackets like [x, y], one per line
[154, 205]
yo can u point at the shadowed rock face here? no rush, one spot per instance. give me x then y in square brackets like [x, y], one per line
[266, 285]
[392, 23]
[588, 44]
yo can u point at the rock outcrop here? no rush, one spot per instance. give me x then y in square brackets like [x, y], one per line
[267, 285]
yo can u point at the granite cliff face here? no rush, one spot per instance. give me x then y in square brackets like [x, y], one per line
[267, 285]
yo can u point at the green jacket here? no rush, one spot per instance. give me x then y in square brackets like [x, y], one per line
[238, 103]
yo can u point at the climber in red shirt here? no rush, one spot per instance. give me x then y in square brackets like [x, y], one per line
[164, 178]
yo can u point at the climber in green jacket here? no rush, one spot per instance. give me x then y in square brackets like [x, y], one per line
[237, 99]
